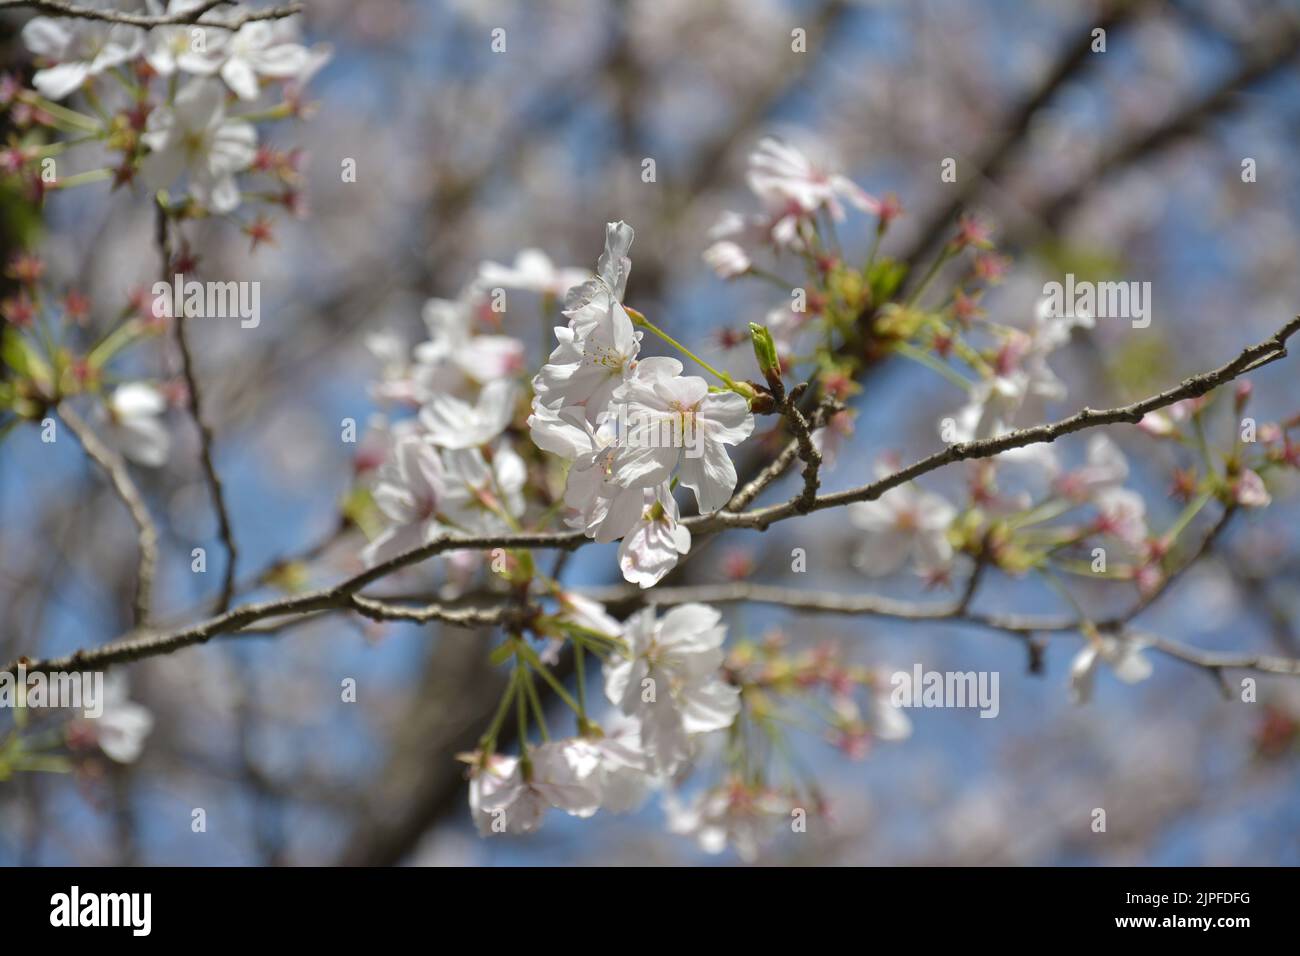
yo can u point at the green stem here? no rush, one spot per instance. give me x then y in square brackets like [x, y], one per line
[536, 702]
[1191, 511]
[908, 350]
[875, 247]
[530, 656]
[278, 112]
[521, 714]
[641, 320]
[1044, 512]
[929, 275]
[773, 278]
[489, 739]
[580, 665]
[1202, 443]
[114, 342]
[81, 121]
[90, 176]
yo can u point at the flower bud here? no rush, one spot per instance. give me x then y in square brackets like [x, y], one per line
[765, 352]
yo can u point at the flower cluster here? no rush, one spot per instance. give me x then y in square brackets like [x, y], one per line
[633, 428]
[54, 350]
[177, 105]
[664, 677]
[674, 691]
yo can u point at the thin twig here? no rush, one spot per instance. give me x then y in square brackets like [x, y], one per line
[195, 405]
[113, 466]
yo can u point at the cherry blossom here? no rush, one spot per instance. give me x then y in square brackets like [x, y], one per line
[727, 258]
[174, 48]
[736, 815]
[452, 423]
[656, 542]
[1122, 515]
[533, 271]
[604, 506]
[616, 760]
[1249, 490]
[887, 721]
[593, 358]
[484, 498]
[1106, 468]
[518, 794]
[132, 425]
[588, 614]
[777, 169]
[399, 379]
[410, 492]
[452, 342]
[1122, 655]
[684, 407]
[194, 136]
[259, 49]
[670, 680]
[79, 49]
[903, 524]
[122, 727]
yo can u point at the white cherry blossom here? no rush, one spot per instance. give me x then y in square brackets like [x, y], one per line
[616, 762]
[726, 816]
[258, 49]
[194, 136]
[452, 423]
[79, 50]
[481, 497]
[728, 259]
[502, 799]
[1106, 468]
[605, 508]
[410, 492]
[777, 169]
[657, 540]
[671, 682]
[184, 48]
[702, 423]
[597, 350]
[533, 271]
[399, 380]
[132, 424]
[122, 727]
[905, 523]
[452, 342]
[1122, 655]
[1122, 515]
[1249, 490]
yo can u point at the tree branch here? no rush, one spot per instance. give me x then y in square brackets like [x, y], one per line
[1250, 359]
[828, 602]
[342, 595]
[57, 8]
